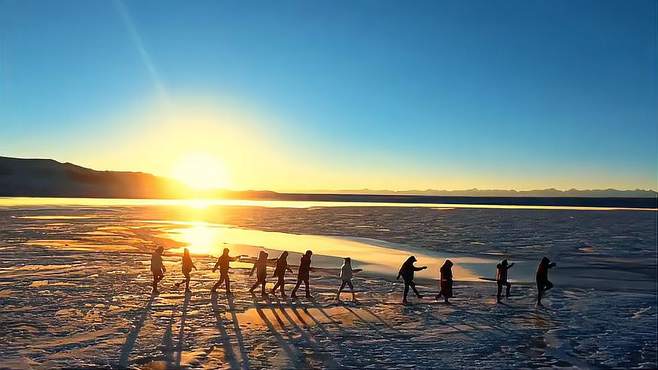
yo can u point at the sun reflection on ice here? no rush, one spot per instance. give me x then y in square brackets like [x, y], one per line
[200, 238]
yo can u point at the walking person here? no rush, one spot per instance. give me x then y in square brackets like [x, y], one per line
[260, 266]
[501, 278]
[407, 271]
[346, 273]
[303, 274]
[223, 263]
[280, 273]
[187, 267]
[446, 281]
[157, 268]
[543, 284]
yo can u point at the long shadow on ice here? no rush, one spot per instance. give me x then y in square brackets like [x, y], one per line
[292, 352]
[238, 334]
[181, 330]
[229, 355]
[167, 341]
[303, 333]
[137, 325]
[307, 335]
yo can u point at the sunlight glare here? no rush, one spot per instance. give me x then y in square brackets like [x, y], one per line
[200, 171]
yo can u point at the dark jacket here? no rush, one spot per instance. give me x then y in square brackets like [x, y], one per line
[407, 270]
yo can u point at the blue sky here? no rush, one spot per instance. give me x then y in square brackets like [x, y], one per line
[339, 94]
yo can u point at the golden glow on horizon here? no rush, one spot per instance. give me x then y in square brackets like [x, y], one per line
[200, 171]
[241, 148]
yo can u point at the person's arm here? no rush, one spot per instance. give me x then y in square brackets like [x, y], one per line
[234, 258]
[357, 270]
[551, 265]
[510, 265]
[419, 268]
[216, 265]
[252, 270]
[194, 266]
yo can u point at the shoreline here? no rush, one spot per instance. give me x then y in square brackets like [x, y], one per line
[585, 203]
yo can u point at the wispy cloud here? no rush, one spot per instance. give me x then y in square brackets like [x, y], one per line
[141, 49]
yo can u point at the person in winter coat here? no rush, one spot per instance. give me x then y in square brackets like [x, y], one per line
[446, 281]
[407, 273]
[303, 274]
[157, 268]
[280, 273]
[223, 263]
[501, 278]
[187, 267]
[346, 273]
[543, 284]
[260, 266]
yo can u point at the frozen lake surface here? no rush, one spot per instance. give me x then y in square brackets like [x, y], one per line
[74, 286]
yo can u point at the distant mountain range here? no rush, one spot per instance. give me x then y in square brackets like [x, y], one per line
[48, 178]
[596, 193]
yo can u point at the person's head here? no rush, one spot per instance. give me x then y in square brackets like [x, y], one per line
[448, 263]
[347, 261]
[159, 250]
[309, 253]
[284, 255]
[410, 260]
[545, 261]
[504, 263]
[186, 252]
[262, 255]
[225, 252]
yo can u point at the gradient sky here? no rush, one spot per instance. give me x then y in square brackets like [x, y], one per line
[338, 94]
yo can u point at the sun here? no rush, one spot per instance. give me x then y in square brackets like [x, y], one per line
[200, 171]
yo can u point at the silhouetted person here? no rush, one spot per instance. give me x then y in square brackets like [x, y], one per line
[543, 284]
[407, 272]
[157, 267]
[446, 281]
[223, 263]
[303, 274]
[346, 273]
[187, 267]
[280, 273]
[501, 278]
[260, 266]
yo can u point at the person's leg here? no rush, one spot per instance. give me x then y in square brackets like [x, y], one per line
[413, 286]
[187, 281]
[228, 284]
[540, 289]
[262, 287]
[406, 291]
[349, 283]
[342, 285]
[155, 282]
[509, 286]
[253, 287]
[218, 283]
[308, 293]
[294, 290]
[276, 285]
[282, 284]
[500, 290]
[548, 286]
